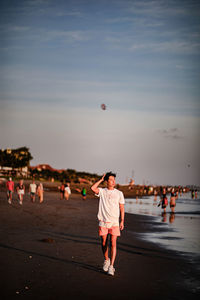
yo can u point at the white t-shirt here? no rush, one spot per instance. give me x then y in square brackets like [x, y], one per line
[109, 211]
[67, 189]
[33, 187]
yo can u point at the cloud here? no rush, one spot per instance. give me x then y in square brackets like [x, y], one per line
[171, 133]
[42, 8]
[136, 21]
[74, 35]
[19, 28]
[162, 8]
[15, 29]
[37, 2]
[152, 36]
[178, 47]
[118, 20]
[68, 13]
[41, 36]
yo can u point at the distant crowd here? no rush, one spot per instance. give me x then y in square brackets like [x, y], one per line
[36, 191]
[20, 190]
[173, 197]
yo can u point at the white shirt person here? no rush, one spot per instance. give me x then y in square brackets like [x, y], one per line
[111, 208]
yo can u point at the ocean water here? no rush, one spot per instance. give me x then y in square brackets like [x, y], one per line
[181, 231]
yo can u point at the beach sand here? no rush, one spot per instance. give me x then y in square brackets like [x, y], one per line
[52, 251]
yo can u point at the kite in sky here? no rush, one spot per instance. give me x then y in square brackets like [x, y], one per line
[103, 106]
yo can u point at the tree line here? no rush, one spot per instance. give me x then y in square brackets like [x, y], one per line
[15, 158]
[21, 157]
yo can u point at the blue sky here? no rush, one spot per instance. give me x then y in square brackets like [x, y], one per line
[59, 60]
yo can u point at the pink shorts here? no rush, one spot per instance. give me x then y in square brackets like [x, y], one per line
[114, 230]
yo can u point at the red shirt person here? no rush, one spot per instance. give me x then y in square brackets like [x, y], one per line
[10, 189]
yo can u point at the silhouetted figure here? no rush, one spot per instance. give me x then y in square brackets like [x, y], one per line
[173, 200]
[164, 200]
[62, 190]
[10, 190]
[20, 191]
[83, 193]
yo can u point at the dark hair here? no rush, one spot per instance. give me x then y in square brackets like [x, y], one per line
[108, 174]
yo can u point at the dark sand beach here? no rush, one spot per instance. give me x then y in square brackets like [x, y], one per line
[52, 251]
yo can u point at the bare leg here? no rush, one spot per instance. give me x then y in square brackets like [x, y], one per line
[41, 197]
[104, 245]
[32, 199]
[113, 248]
[8, 196]
[20, 198]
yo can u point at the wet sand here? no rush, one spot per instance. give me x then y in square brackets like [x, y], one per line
[52, 251]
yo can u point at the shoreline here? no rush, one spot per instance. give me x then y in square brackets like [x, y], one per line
[177, 231]
[52, 250]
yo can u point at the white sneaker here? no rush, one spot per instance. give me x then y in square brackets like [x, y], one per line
[111, 270]
[9, 201]
[20, 202]
[106, 265]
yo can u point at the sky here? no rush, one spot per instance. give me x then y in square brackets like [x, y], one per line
[60, 60]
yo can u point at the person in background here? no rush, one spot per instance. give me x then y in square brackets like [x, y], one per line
[10, 190]
[32, 190]
[20, 191]
[131, 184]
[62, 190]
[40, 192]
[163, 200]
[67, 191]
[111, 207]
[155, 195]
[83, 193]
[192, 194]
[173, 200]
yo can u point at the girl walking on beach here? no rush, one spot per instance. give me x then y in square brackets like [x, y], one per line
[163, 201]
[20, 191]
[67, 191]
[173, 200]
[111, 207]
[40, 192]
